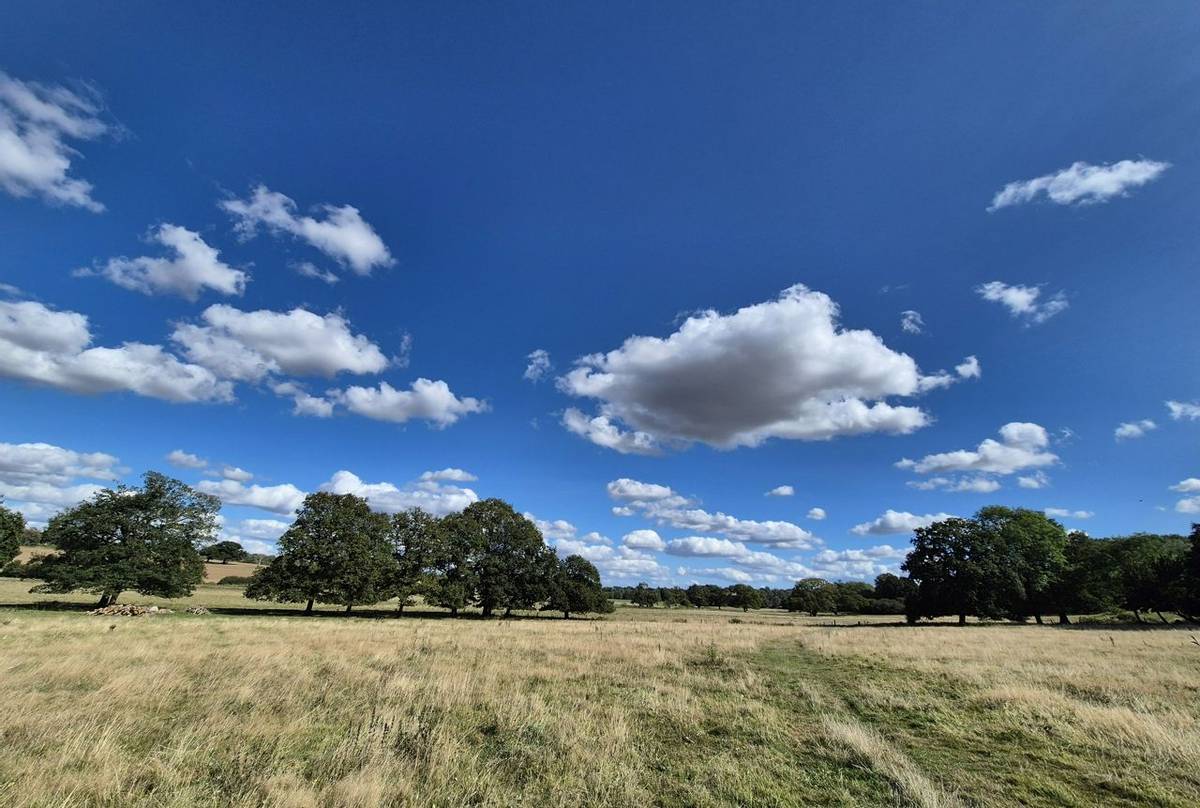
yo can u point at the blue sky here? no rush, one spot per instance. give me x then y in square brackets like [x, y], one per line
[247, 234]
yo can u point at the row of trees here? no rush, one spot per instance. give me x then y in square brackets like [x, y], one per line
[340, 551]
[1015, 564]
[337, 551]
[812, 595]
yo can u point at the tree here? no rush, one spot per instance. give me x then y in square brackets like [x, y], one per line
[1090, 582]
[893, 587]
[674, 596]
[852, 597]
[1034, 547]
[958, 570]
[513, 567]
[414, 537]
[12, 530]
[336, 551]
[576, 588]
[744, 597]
[224, 551]
[812, 595]
[644, 596]
[141, 539]
[1150, 568]
[1189, 601]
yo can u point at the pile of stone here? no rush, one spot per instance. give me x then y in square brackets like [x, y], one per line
[197, 610]
[128, 610]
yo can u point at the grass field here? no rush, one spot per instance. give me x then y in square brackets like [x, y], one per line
[646, 707]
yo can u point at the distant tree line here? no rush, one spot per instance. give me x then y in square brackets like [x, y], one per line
[811, 595]
[337, 551]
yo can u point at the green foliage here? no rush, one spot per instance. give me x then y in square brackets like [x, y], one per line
[513, 566]
[1151, 571]
[1034, 550]
[235, 580]
[893, 587]
[337, 551]
[224, 551]
[142, 539]
[744, 597]
[959, 570]
[576, 588]
[414, 536]
[644, 596]
[811, 595]
[12, 530]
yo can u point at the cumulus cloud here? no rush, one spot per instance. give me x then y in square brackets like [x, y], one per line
[539, 365]
[1021, 446]
[341, 232]
[238, 474]
[284, 498]
[1188, 504]
[781, 491]
[969, 369]
[601, 431]
[1034, 481]
[248, 345]
[974, 485]
[430, 495]
[43, 346]
[553, 529]
[1023, 302]
[816, 514]
[424, 400]
[644, 540]
[186, 460]
[1080, 183]
[1066, 513]
[1189, 486]
[39, 479]
[193, 267]
[911, 322]
[1183, 411]
[37, 124]
[780, 369]
[303, 402]
[262, 529]
[449, 475]
[1130, 430]
[620, 564]
[892, 522]
[308, 269]
[662, 505]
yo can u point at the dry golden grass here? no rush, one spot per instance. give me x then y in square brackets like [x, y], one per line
[647, 707]
[28, 553]
[215, 571]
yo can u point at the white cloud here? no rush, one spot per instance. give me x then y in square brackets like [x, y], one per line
[426, 400]
[236, 474]
[248, 345]
[263, 529]
[601, 431]
[186, 460]
[1188, 505]
[644, 540]
[897, 522]
[303, 402]
[816, 514]
[285, 498]
[1182, 410]
[1021, 446]
[1066, 513]
[310, 270]
[194, 267]
[39, 479]
[429, 495]
[662, 505]
[47, 347]
[780, 369]
[1036, 480]
[1023, 301]
[973, 485]
[341, 233]
[1081, 183]
[969, 369]
[911, 322]
[553, 529]
[539, 365]
[781, 491]
[450, 475]
[1129, 430]
[614, 563]
[36, 124]
[1189, 486]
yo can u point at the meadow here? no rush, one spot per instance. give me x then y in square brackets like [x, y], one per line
[256, 704]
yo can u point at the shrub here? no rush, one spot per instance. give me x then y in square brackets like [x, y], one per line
[234, 580]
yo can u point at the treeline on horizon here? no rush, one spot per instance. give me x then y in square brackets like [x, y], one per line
[1002, 564]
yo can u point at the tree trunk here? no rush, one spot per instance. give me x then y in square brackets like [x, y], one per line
[487, 610]
[1063, 620]
[349, 606]
[308, 606]
[1037, 618]
[103, 600]
[400, 607]
[508, 611]
[1160, 617]
[566, 615]
[962, 619]
[1138, 616]
[454, 611]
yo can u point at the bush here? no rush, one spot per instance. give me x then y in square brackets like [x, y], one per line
[886, 606]
[234, 580]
